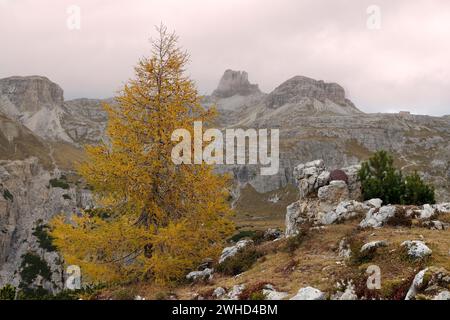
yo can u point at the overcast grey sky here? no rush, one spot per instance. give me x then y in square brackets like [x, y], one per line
[404, 65]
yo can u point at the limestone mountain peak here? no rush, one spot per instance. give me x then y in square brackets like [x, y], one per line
[35, 102]
[235, 83]
[296, 89]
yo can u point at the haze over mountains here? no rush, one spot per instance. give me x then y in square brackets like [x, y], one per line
[316, 121]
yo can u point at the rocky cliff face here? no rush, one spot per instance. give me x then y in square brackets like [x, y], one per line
[85, 120]
[29, 197]
[38, 146]
[36, 103]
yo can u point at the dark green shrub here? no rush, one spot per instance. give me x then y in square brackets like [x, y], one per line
[44, 238]
[32, 265]
[8, 292]
[242, 261]
[256, 235]
[417, 192]
[38, 293]
[59, 183]
[379, 179]
[242, 234]
[7, 195]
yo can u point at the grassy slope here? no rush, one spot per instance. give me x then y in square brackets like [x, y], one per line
[316, 262]
[254, 211]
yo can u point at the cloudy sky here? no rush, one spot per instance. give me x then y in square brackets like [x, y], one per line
[403, 65]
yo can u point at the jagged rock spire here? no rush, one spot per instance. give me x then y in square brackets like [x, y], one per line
[235, 83]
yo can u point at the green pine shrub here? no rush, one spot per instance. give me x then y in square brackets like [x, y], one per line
[380, 179]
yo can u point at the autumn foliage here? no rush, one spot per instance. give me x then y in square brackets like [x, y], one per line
[164, 219]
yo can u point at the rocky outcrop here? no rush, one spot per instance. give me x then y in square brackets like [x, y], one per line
[417, 249]
[346, 291]
[443, 295]
[435, 225]
[309, 293]
[344, 211]
[29, 200]
[335, 192]
[299, 213]
[431, 283]
[310, 176]
[200, 276]
[322, 201]
[270, 293]
[229, 252]
[344, 250]
[372, 246]
[219, 292]
[325, 202]
[376, 217]
[235, 292]
[235, 83]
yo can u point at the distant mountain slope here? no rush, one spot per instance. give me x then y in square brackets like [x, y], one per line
[18, 143]
[315, 118]
[84, 120]
[36, 103]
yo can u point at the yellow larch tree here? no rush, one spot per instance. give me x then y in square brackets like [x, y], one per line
[157, 220]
